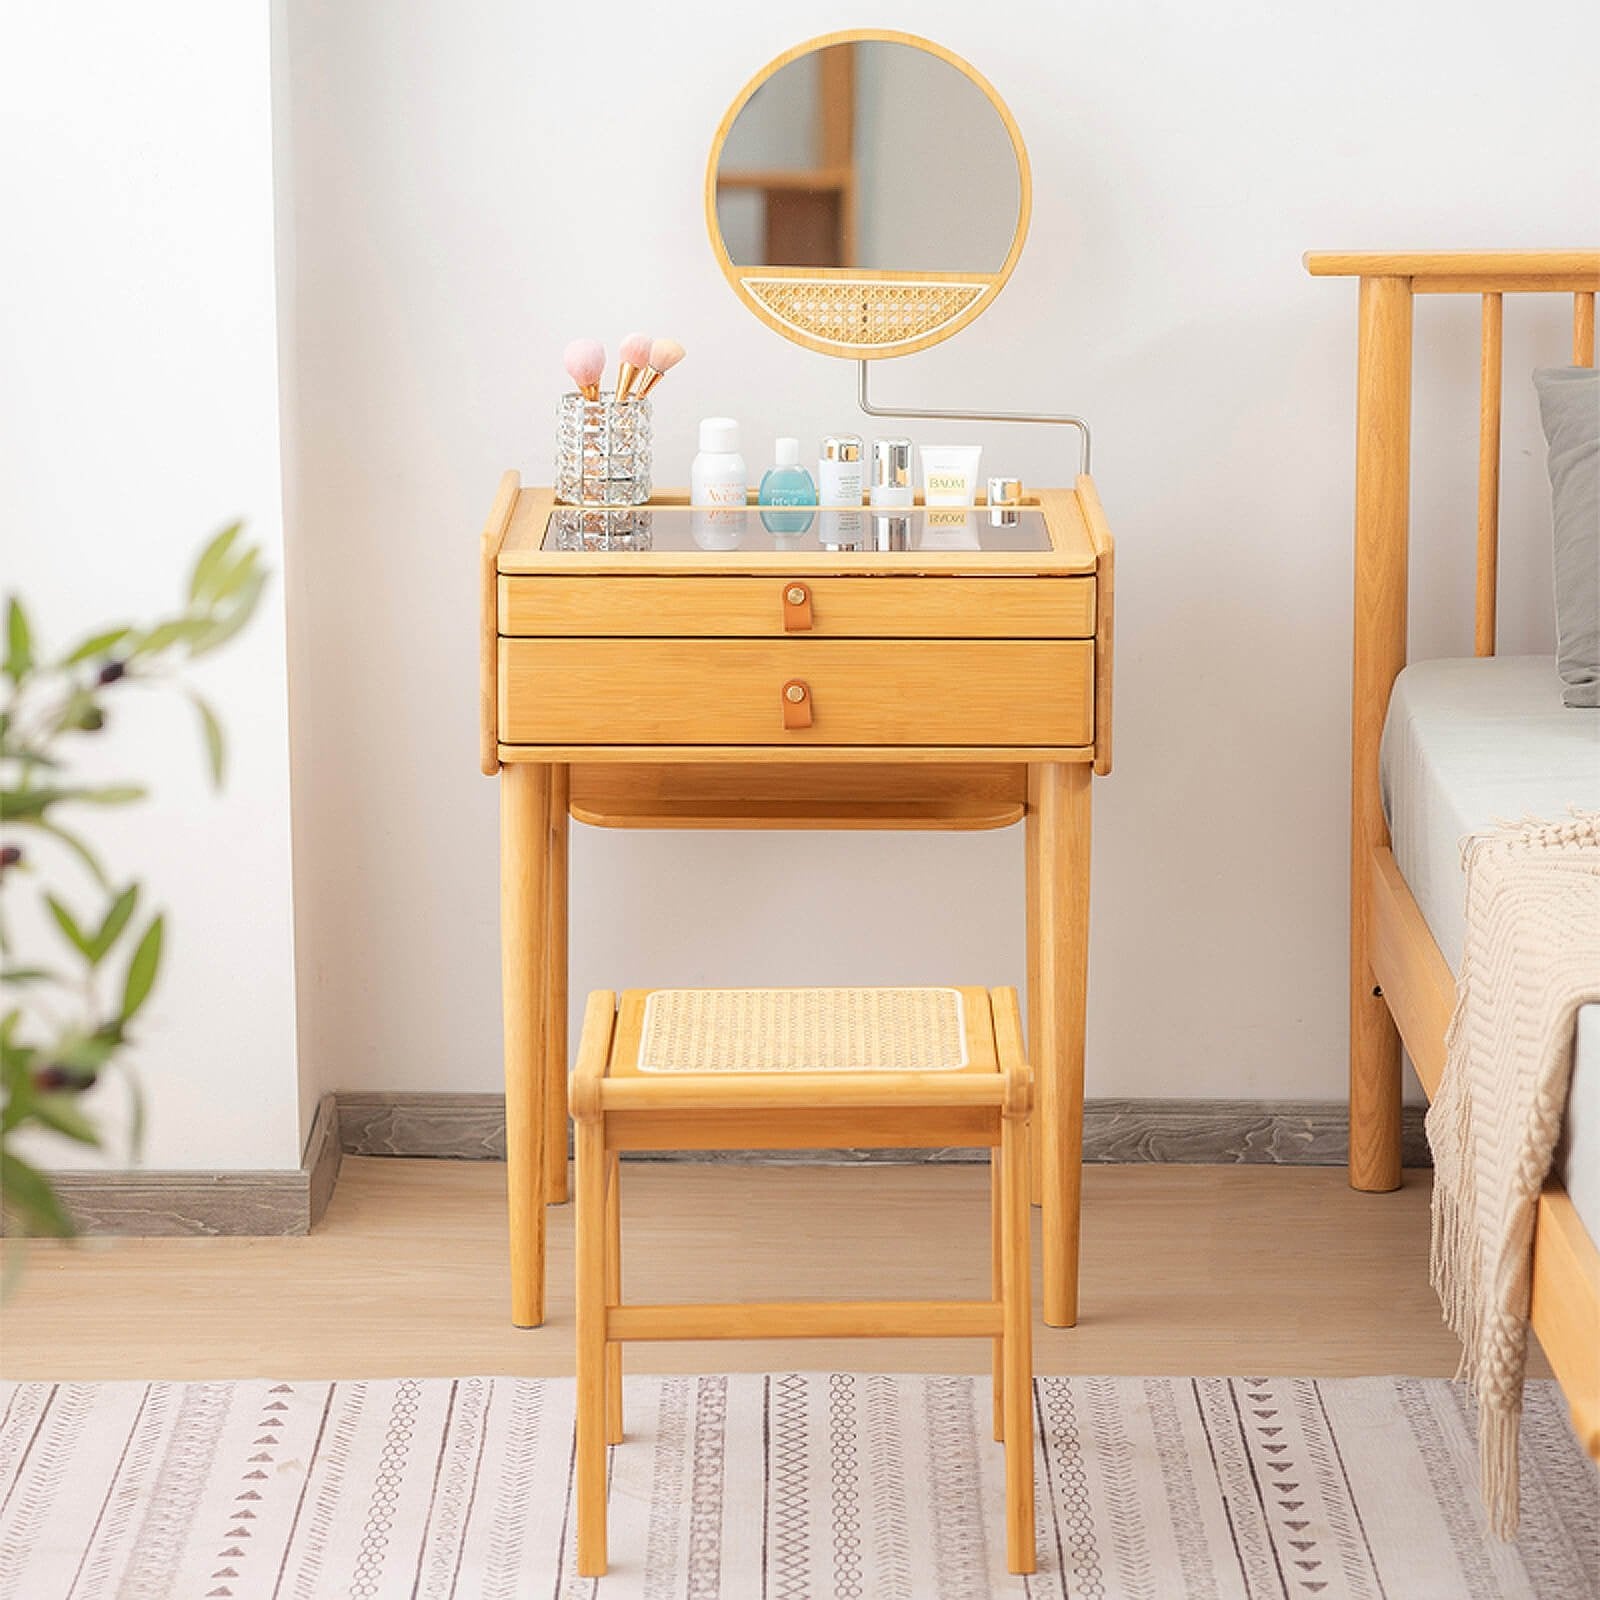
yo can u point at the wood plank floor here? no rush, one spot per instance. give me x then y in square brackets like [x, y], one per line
[1186, 1270]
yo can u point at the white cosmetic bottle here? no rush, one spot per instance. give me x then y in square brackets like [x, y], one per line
[717, 476]
[839, 471]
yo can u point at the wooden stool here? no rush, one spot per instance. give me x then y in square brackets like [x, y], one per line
[794, 1069]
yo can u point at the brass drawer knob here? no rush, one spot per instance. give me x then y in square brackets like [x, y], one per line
[796, 608]
[796, 705]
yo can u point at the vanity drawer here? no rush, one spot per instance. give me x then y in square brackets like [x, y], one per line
[865, 607]
[973, 692]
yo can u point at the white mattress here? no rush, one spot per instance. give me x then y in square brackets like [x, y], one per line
[1467, 744]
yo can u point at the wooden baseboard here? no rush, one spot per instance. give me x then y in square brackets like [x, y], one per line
[172, 1204]
[1315, 1133]
[471, 1127]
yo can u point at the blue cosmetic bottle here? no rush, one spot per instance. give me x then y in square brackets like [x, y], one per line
[787, 483]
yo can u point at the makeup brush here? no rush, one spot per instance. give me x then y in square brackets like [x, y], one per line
[635, 355]
[665, 354]
[585, 360]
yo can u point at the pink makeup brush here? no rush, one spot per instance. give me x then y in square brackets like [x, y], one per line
[665, 354]
[635, 354]
[585, 360]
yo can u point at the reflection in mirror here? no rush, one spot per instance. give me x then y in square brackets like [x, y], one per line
[749, 529]
[873, 154]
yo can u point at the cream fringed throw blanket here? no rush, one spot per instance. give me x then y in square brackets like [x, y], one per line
[1532, 958]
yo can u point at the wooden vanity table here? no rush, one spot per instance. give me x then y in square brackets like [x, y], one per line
[667, 667]
[662, 665]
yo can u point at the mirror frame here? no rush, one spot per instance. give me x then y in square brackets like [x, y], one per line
[809, 304]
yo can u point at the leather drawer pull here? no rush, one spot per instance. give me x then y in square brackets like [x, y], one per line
[796, 704]
[796, 608]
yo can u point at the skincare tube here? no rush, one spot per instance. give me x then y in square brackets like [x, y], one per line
[950, 474]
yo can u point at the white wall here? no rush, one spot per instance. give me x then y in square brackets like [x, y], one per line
[471, 190]
[139, 413]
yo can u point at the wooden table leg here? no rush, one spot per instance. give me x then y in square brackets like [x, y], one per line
[555, 995]
[1030, 827]
[524, 912]
[1059, 896]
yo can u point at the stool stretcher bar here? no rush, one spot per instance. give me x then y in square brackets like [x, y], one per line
[808, 1319]
[740, 1091]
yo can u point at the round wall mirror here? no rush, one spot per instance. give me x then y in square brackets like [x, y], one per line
[867, 194]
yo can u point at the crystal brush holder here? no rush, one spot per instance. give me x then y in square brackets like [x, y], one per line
[602, 450]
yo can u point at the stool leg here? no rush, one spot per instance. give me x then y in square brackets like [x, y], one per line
[613, 1297]
[591, 1319]
[1017, 1320]
[997, 1285]
[555, 996]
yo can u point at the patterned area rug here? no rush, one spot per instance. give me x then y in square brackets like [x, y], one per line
[790, 1487]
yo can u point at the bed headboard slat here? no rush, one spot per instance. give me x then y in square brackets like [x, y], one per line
[1490, 387]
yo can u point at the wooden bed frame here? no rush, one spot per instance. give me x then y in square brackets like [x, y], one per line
[1401, 987]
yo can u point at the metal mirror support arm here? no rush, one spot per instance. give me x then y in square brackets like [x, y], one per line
[1063, 419]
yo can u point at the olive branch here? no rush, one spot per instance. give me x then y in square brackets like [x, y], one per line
[69, 1010]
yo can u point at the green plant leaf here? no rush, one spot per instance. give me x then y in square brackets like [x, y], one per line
[142, 969]
[28, 805]
[68, 924]
[80, 711]
[61, 1114]
[211, 562]
[164, 635]
[234, 579]
[16, 1072]
[224, 628]
[77, 847]
[97, 644]
[216, 744]
[111, 794]
[23, 805]
[116, 919]
[136, 1114]
[19, 642]
[30, 975]
[87, 1054]
[31, 1200]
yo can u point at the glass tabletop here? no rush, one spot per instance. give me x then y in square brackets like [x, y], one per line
[869, 529]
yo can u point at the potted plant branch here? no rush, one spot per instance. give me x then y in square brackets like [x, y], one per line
[73, 998]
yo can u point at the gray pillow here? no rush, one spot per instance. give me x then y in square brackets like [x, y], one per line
[1569, 404]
